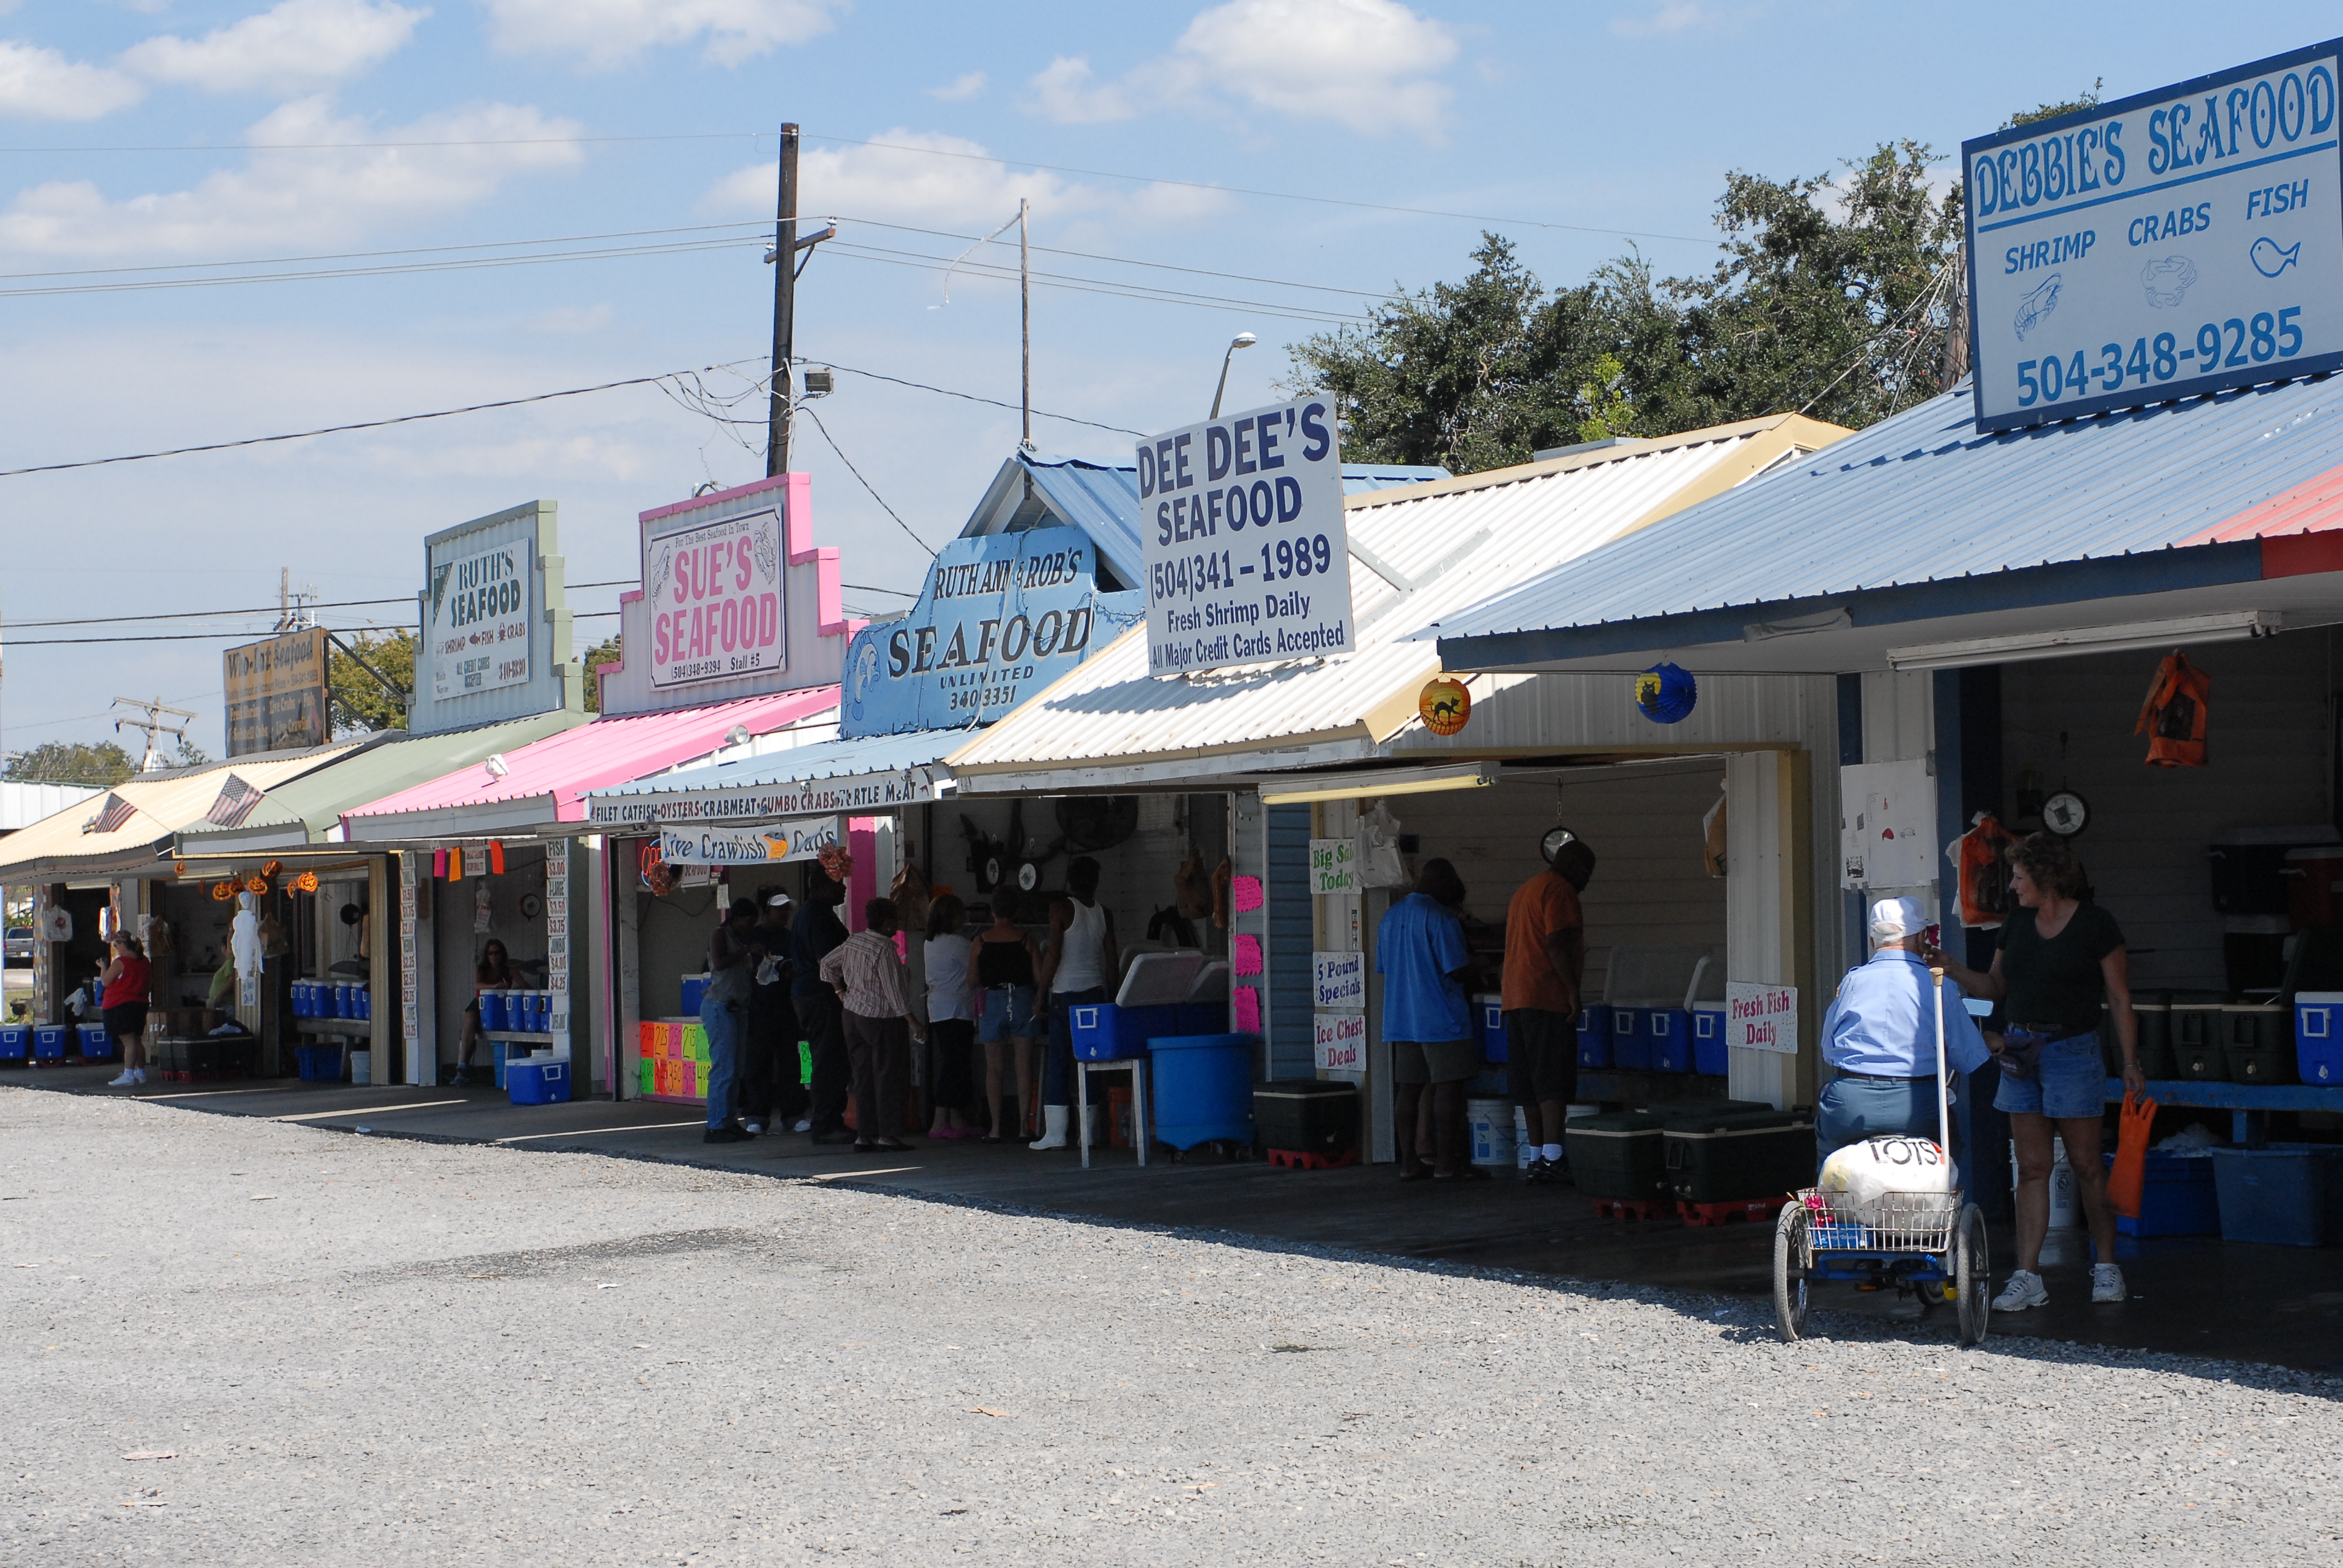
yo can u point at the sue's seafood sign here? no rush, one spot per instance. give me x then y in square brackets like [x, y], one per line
[714, 591]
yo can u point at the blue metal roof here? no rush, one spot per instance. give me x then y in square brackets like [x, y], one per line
[1922, 505]
[818, 763]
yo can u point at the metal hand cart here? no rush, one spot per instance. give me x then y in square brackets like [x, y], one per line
[1928, 1245]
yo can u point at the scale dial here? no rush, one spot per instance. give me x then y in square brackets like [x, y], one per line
[2065, 813]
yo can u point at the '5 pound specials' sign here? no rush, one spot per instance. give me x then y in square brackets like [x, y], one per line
[2173, 243]
[1248, 559]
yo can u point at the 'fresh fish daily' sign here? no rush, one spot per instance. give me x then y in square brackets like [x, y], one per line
[2168, 243]
[1248, 559]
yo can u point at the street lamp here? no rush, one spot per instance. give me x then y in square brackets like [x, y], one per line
[1242, 340]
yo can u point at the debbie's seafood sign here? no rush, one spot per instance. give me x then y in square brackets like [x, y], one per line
[2169, 244]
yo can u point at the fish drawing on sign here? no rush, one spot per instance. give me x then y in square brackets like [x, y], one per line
[2270, 259]
[2167, 280]
[2038, 305]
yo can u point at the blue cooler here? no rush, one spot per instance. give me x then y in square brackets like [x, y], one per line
[1102, 1031]
[49, 1041]
[2318, 1036]
[1631, 1046]
[493, 1005]
[1199, 1018]
[15, 1041]
[361, 1003]
[1594, 1035]
[1671, 1031]
[95, 1043]
[541, 1012]
[300, 999]
[1708, 1052]
[1489, 1013]
[692, 986]
[538, 1082]
[341, 1000]
[1202, 1088]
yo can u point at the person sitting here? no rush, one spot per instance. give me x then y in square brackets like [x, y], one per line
[1880, 1034]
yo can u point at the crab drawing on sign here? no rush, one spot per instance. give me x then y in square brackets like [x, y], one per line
[2168, 280]
[2038, 305]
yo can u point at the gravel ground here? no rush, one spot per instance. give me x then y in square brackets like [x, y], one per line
[388, 1351]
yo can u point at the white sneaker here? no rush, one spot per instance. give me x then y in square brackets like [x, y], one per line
[804, 1124]
[2024, 1290]
[753, 1128]
[2107, 1283]
[124, 1081]
[140, 1073]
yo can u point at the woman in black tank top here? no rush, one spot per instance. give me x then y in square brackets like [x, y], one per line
[1001, 972]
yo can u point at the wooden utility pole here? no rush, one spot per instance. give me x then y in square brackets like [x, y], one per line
[1025, 313]
[785, 249]
[1956, 323]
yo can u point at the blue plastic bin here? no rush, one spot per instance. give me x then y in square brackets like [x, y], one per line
[1202, 1088]
[1631, 1043]
[319, 1063]
[2272, 1195]
[1104, 1032]
[692, 986]
[1594, 1035]
[1491, 1012]
[2177, 1197]
[539, 1082]
[15, 1042]
[49, 1041]
[97, 1045]
[1708, 1052]
[1671, 1031]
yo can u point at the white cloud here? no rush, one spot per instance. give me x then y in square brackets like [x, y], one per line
[604, 33]
[297, 46]
[964, 86]
[1666, 17]
[1368, 65]
[38, 84]
[284, 196]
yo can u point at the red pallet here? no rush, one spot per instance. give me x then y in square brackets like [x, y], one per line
[1630, 1209]
[1303, 1160]
[1750, 1211]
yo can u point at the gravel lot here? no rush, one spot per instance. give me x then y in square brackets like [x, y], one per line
[362, 1349]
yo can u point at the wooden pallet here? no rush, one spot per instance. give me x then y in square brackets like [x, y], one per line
[1303, 1160]
[1748, 1211]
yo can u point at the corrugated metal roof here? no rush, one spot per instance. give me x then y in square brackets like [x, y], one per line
[1465, 539]
[22, 805]
[150, 810]
[1921, 498]
[693, 793]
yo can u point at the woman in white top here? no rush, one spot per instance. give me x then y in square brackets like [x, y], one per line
[951, 1017]
[1074, 973]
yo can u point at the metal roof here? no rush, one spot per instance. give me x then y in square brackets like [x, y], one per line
[140, 816]
[1449, 543]
[22, 805]
[781, 783]
[1921, 505]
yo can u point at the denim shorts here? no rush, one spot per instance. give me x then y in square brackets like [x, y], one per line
[2070, 1082]
[1007, 1014]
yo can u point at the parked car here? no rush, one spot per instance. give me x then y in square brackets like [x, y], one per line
[19, 944]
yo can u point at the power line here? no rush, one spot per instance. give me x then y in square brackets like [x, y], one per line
[264, 609]
[972, 397]
[409, 250]
[1087, 285]
[1130, 261]
[851, 468]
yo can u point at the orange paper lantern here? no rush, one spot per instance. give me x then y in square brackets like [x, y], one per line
[1444, 705]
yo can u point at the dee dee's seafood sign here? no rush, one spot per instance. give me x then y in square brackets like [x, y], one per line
[2168, 243]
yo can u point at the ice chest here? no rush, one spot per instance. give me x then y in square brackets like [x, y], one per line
[1671, 1031]
[15, 1041]
[692, 986]
[1306, 1116]
[95, 1043]
[2177, 1197]
[1105, 1032]
[1618, 1154]
[538, 1082]
[2318, 1036]
[1489, 1013]
[1631, 1046]
[1708, 1052]
[1726, 1156]
[49, 1041]
[2272, 1195]
[1594, 1035]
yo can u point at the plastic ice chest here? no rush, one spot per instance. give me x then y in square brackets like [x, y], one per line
[1594, 1035]
[15, 1041]
[1726, 1156]
[1202, 1088]
[1631, 1045]
[49, 1041]
[692, 986]
[538, 1082]
[1200, 1018]
[1306, 1115]
[2273, 1195]
[1103, 1031]
[1617, 1155]
[361, 1003]
[95, 1043]
[1708, 1052]
[2177, 1197]
[322, 1063]
[1671, 1031]
[2318, 1036]
[1489, 1011]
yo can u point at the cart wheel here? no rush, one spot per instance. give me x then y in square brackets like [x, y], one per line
[1972, 1275]
[1790, 1272]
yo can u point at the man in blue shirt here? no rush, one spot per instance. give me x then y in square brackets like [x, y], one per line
[1880, 1034]
[1420, 952]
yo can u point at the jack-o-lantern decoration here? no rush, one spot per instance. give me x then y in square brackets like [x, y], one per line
[1445, 704]
[307, 882]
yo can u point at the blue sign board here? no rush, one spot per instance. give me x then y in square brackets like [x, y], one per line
[2169, 244]
[1002, 617]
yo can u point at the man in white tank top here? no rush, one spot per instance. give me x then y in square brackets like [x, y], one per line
[1074, 972]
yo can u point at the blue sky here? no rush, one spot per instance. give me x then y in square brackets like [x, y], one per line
[1580, 125]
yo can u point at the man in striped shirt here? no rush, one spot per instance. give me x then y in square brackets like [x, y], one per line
[867, 973]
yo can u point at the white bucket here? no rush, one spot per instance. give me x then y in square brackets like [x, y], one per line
[2065, 1199]
[362, 1067]
[1491, 1125]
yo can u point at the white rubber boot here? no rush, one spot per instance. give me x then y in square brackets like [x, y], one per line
[1054, 1119]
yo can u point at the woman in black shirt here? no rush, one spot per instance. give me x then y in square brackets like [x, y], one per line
[2059, 954]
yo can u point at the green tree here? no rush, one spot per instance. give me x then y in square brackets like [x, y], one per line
[360, 704]
[2086, 99]
[607, 651]
[101, 765]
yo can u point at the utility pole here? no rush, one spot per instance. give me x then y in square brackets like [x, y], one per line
[153, 725]
[1025, 313]
[785, 278]
[1957, 324]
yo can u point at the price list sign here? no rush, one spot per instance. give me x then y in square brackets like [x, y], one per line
[2171, 244]
[1248, 559]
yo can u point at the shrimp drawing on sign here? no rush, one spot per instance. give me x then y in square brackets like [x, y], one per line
[2270, 258]
[2038, 305]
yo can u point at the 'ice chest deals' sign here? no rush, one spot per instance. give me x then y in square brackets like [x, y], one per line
[1248, 559]
[713, 591]
[772, 842]
[1761, 1017]
[2168, 243]
[1338, 1042]
[477, 613]
[1001, 616]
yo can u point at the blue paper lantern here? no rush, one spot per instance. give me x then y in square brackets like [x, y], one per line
[1665, 693]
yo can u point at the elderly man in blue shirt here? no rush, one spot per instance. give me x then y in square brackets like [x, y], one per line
[1880, 1034]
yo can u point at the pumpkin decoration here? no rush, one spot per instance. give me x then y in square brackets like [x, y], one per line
[223, 891]
[307, 882]
[272, 868]
[256, 884]
[1445, 704]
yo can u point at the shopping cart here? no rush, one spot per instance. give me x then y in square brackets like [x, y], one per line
[1928, 1245]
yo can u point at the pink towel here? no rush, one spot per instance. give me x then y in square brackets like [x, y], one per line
[1247, 957]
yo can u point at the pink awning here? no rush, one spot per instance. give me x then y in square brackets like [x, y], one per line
[560, 769]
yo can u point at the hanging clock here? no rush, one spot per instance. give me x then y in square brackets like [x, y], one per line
[1551, 845]
[531, 906]
[2065, 813]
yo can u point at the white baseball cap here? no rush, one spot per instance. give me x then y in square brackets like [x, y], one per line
[1893, 919]
[779, 900]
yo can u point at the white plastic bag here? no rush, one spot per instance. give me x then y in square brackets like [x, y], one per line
[1381, 865]
[1867, 1171]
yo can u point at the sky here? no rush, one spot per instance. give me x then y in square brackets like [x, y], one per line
[1271, 166]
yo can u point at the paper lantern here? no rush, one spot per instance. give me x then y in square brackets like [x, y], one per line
[439, 864]
[1665, 693]
[496, 856]
[1444, 705]
[307, 882]
[256, 884]
[272, 868]
[223, 891]
[456, 865]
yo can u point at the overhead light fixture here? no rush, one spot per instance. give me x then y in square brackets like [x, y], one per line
[1387, 782]
[2129, 637]
[737, 736]
[497, 765]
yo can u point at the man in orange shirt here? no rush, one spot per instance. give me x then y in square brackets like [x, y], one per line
[1546, 963]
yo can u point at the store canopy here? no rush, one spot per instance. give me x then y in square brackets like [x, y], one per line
[130, 827]
[1417, 553]
[2218, 516]
[542, 785]
[308, 810]
[877, 773]
[22, 805]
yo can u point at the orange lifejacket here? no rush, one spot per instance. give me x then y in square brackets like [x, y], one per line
[2179, 701]
[1984, 877]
